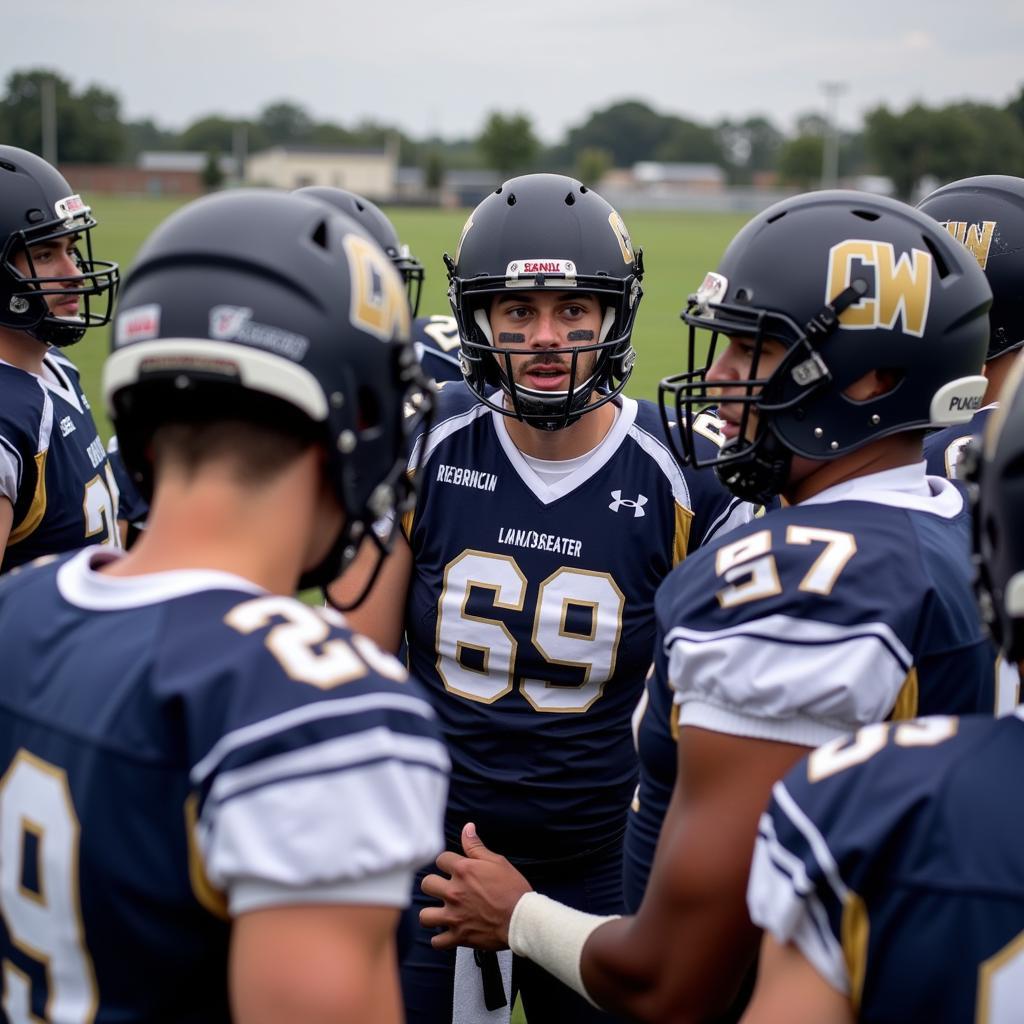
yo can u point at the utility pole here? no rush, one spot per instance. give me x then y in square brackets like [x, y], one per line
[48, 102]
[240, 151]
[830, 149]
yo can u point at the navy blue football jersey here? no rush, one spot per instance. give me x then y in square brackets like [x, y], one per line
[530, 616]
[179, 749]
[53, 466]
[436, 340]
[942, 448]
[803, 625]
[892, 860]
[942, 451]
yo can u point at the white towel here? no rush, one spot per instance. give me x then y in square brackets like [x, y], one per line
[468, 994]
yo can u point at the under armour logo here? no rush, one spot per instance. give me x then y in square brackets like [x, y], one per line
[637, 506]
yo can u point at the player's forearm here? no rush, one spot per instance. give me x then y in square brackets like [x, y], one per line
[628, 975]
[587, 953]
[612, 963]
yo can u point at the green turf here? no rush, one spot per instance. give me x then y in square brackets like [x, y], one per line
[678, 249]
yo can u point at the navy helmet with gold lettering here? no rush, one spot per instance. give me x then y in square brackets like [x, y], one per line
[37, 206]
[545, 231]
[849, 283]
[260, 304]
[994, 470]
[381, 230]
[986, 213]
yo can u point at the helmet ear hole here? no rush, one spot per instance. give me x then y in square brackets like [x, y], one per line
[368, 413]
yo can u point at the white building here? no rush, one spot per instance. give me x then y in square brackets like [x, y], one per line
[370, 172]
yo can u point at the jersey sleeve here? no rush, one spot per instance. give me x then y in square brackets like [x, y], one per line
[26, 422]
[436, 341]
[781, 634]
[842, 822]
[11, 463]
[327, 779]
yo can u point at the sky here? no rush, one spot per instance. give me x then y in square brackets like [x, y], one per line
[442, 67]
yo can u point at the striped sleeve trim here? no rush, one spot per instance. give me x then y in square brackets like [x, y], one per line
[365, 747]
[784, 900]
[666, 462]
[741, 679]
[440, 432]
[786, 630]
[11, 470]
[296, 717]
[356, 822]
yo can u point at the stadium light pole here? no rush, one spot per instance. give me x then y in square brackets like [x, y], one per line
[48, 103]
[830, 149]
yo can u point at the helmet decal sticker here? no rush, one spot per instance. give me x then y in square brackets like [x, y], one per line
[540, 272]
[235, 323]
[378, 300]
[137, 324]
[902, 286]
[712, 289]
[462, 237]
[622, 237]
[977, 238]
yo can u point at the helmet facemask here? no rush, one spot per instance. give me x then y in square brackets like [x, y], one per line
[487, 366]
[755, 464]
[25, 306]
[412, 274]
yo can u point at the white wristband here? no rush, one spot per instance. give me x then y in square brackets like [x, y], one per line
[553, 935]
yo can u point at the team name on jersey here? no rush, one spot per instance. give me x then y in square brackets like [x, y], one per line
[466, 477]
[541, 541]
[96, 452]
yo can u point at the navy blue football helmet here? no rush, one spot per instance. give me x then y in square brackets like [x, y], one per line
[381, 230]
[994, 471]
[545, 231]
[265, 303]
[848, 283]
[986, 214]
[37, 205]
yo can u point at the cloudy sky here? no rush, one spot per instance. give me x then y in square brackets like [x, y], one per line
[442, 66]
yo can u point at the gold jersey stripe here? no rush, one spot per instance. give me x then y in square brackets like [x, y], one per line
[37, 509]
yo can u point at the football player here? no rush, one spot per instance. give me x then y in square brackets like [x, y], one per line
[887, 872]
[435, 338]
[986, 214]
[213, 796]
[550, 508]
[57, 492]
[841, 326]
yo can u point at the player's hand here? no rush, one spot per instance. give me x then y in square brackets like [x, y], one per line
[479, 897]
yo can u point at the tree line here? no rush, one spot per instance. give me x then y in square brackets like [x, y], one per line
[950, 141]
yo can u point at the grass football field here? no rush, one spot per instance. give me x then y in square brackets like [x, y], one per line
[678, 249]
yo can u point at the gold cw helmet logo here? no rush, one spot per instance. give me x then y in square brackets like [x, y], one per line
[378, 302]
[975, 238]
[621, 236]
[902, 285]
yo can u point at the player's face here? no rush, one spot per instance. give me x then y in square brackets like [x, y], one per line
[57, 259]
[549, 325]
[737, 363]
